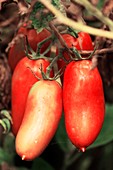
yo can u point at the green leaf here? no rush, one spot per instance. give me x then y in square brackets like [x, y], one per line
[29, 1]
[59, 6]
[9, 147]
[62, 138]
[40, 164]
[106, 134]
[5, 157]
[56, 3]
[39, 17]
[9, 143]
[100, 4]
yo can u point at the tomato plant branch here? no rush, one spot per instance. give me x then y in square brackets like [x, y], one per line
[58, 35]
[55, 58]
[102, 51]
[60, 38]
[95, 12]
[54, 65]
[76, 25]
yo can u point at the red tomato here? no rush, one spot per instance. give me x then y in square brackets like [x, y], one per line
[18, 50]
[42, 115]
[22, 81]
[83, 100]
[83, 42]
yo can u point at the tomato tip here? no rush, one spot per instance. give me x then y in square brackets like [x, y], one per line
[23, 157]
[83, 149]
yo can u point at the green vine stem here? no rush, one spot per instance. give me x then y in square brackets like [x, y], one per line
[43, 42]
[95, 12]
[32, 55]
[53, 65]
[76, 25]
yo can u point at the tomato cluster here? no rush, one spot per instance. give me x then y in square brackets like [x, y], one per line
[38, 101]
[17, 51]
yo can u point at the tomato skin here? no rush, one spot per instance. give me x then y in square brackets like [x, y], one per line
[84, 105]
[34, 37]
[42, 115]
[83, 42]
[17, 51]
[22, 81]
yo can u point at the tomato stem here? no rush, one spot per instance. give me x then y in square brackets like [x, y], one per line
[43, 42]
[28, 49]
[36, 55]
[72, 32]
[55, 58]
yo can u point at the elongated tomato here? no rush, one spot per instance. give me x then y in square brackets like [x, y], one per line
[22, 80]
[41, 119]
[83, 100]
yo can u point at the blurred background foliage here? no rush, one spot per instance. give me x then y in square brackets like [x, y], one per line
[61, 154]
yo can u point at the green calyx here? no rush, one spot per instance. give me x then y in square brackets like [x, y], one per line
[32, 55]
[77, 56]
